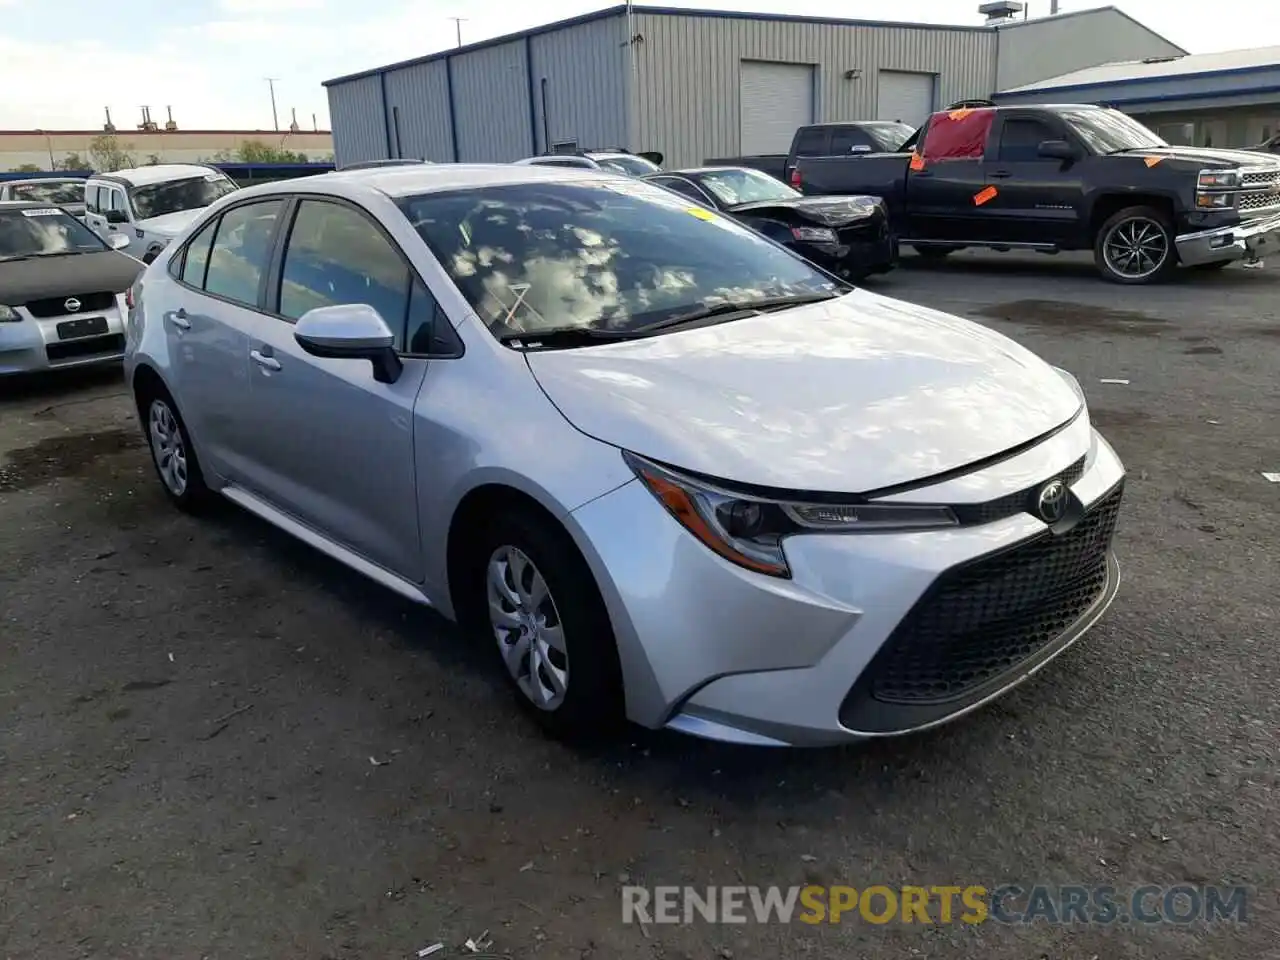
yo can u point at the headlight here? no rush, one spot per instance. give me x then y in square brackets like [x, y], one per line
[749, 530]
[814, 234]
[9, 315]
[1221, 179]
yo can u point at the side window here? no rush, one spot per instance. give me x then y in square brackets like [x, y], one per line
[811, 142]
[336, 255]
[241, 250]
[116, 202]
[846, 140]
[91, 198]
[687, 189]
[196, 258]
[1020, 139]
[428, 330]
[957, 135]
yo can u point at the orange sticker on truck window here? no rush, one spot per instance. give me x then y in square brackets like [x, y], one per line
[985, 196]
[917, 162]
[959, 114]
[1152, 161]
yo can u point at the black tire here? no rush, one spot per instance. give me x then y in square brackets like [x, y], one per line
[193, 496]
[1148, 234]
[931, 252]
[592, 707]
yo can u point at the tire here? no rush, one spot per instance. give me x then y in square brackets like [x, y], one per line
[1135, 246]
[930, 252]
[515, 547]
[172, 454]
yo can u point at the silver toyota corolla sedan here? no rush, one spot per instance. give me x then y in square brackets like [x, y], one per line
[667, 469]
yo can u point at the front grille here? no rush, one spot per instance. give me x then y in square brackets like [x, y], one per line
[109, 345]
[56, 306]
[1023, 501]
[1259, 201]
[1253, 198]
[1254, 177]
[986, 618]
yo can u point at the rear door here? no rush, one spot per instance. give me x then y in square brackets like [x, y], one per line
[1030, 198]
[330, 445]
[947, 177]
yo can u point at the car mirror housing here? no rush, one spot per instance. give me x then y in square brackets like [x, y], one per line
[350, 331]
[117, 241]
[116, 216]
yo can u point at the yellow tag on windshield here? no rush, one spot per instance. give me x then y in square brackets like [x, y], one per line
[700, 213]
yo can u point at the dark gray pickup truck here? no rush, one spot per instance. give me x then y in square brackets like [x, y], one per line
[843, 139]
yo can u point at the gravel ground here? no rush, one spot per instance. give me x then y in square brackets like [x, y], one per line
[215, 743]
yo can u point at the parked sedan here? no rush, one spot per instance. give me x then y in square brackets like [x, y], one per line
[65, 192]
[847, 235]
[661, 466]
[61, 290]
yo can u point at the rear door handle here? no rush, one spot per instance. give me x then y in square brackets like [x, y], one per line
[262, 360]
[1000, 175]
[178, 318]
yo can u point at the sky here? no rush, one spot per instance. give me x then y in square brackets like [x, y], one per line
[63, 61]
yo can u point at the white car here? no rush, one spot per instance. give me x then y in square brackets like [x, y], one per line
[151, 205]
[660, 465]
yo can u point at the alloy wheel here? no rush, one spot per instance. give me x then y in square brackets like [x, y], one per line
[527, 627]
[167, 447]
[1136, 249]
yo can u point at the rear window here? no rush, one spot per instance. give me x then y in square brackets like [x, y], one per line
[958, 135]
[51, 191]
[811, 142]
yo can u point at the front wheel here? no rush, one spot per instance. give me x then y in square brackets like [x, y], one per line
[535, 597]
[1135, 246]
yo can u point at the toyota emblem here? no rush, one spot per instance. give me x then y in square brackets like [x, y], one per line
[1051, 503]
[71, 304]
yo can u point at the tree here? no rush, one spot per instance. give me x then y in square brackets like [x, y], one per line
[108, 153]
[255, 151]
[26, 168]
[73, 161]
[153, 159]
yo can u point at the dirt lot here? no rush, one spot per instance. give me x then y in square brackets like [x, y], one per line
[217, 744]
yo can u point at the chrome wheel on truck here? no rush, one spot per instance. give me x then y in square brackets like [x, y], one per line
[1135, 246]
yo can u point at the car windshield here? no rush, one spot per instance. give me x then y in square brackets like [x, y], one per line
[1110, 131]
[173, 196]
[627, 165]
[44, 232]
[889, 136]
[606, 256]
[732, 187]
[50, 191]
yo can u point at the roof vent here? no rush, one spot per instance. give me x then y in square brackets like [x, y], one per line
[1001, 10]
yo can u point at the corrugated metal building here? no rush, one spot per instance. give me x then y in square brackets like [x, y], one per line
[1210, 100]
[694, 84]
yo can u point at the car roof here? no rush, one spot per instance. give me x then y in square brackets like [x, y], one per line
[426, 178]
[29, 180]
[157, 173]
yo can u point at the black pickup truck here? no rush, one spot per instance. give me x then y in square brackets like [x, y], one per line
[1066, 177]
[842, 139]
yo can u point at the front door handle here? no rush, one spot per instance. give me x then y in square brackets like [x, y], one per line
[178, 318]
[1000, 175]
[262, 360]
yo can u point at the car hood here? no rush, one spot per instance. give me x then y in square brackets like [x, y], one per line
[1206, 156]
[171, 224]
[825, 211]
[41, 278]
[850, 395]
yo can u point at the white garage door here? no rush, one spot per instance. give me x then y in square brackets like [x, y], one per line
[907, 97]
[776, 98]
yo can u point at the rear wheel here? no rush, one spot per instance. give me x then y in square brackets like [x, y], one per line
[533, 595]
[932, 252]
[1135, 246]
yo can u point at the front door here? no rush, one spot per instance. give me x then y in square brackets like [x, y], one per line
[94, 215]
[1032, 199]
[330, 445]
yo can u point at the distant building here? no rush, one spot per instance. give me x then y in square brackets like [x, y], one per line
[1209, 100]
[46, 148]
[694, 84]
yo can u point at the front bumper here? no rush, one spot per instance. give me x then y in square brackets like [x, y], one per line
[33, 344]
[710, 649]
[856, 255]
[1251, 240]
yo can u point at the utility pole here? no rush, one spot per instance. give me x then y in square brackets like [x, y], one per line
[458, 22]
[271, 85]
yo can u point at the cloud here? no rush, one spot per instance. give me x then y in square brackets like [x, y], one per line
[267, 7]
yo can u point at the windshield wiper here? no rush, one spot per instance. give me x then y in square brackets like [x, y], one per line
[731, 310]
[575, 336]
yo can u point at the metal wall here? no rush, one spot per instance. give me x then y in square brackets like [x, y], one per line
[418, 107]
[1039, 49]
[686, 101]
[586, 69]
[491, 103]
[358, 121]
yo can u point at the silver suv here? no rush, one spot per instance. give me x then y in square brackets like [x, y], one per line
[149, 206]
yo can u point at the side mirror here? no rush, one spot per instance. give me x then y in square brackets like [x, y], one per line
[117, 241]
[1057, 150]
[116, 216]
[350, 331]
